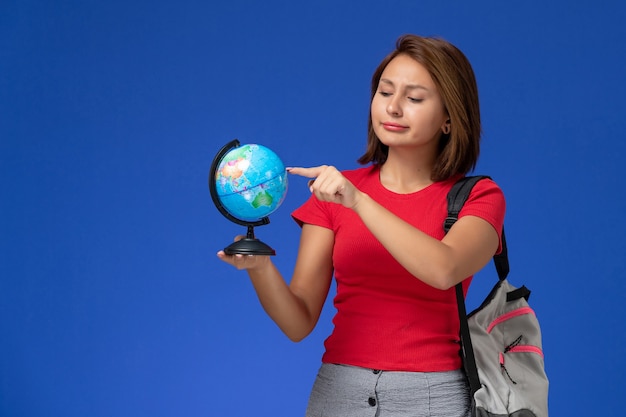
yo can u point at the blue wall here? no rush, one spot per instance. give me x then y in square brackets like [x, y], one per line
[112, 301]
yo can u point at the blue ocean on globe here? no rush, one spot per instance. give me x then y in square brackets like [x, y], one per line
[251, 182]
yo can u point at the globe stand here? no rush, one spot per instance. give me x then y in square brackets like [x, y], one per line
[249, 245]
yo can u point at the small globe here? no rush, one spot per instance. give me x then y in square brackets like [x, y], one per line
[250, 182]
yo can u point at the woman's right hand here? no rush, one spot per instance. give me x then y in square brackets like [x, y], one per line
[294, 307]
[247, 262]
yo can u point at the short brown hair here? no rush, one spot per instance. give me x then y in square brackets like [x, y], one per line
[454, 77]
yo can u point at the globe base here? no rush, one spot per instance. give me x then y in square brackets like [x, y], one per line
[249, 246]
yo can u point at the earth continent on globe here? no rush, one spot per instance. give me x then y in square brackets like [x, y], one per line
[251, 182]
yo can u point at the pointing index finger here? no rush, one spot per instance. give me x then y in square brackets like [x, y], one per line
[312, 172]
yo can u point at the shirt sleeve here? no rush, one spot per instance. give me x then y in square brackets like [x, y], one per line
[313, 212]
[487, 202]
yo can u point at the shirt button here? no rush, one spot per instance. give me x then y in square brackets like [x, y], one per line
[371, 401]
[376, 371]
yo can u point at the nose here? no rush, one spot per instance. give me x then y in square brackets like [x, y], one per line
[393, 107]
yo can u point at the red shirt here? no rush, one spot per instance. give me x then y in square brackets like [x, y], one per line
[386, 318]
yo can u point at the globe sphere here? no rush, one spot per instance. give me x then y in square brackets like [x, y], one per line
[251, 182]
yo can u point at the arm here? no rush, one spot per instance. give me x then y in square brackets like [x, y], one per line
[296, 307]
[467, 247]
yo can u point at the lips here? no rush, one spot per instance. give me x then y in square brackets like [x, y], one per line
[394, 127]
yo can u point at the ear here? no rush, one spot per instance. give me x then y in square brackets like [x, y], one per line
[445, 128]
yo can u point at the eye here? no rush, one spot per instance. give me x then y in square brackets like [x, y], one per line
[384, 93]
[415, 100]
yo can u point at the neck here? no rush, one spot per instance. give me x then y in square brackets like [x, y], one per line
[406, 172]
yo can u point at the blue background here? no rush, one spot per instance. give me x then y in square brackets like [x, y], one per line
[112, 301]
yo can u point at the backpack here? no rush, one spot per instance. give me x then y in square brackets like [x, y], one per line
[500, 340]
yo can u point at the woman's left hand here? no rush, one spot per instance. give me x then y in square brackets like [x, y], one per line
[328, 184]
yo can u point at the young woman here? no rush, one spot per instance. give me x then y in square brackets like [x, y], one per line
[394, 350]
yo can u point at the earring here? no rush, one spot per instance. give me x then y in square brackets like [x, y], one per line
[446, 129]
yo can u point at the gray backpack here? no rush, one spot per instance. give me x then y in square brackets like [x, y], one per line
[501, 339]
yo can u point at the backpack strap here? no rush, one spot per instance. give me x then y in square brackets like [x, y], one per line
[467, 350]
[457, 196]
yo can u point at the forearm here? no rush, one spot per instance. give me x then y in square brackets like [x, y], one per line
[284, 307]
[425, 257]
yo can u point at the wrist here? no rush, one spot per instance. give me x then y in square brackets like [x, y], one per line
[260, 265]
[360, 200]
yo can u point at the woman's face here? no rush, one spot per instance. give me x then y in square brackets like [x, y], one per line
[407, 110]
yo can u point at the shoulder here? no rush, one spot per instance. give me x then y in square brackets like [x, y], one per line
[484, 186]
[487, 189]
[363, 178]
[360, 173]
[486, 200]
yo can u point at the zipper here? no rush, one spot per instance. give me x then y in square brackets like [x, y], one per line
[515, 347]
[507, 316]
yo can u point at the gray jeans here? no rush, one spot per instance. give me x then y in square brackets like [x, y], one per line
[348, 391]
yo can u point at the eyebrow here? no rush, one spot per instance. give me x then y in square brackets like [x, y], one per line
[409, 86]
